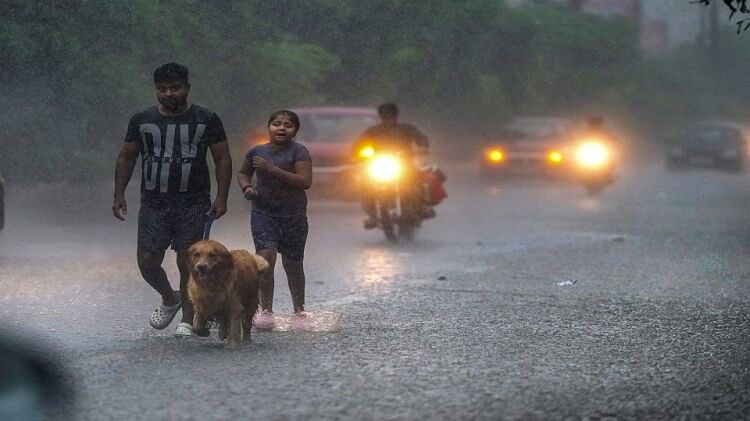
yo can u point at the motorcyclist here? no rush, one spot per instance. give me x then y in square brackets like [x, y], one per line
[391, 135]
[594, 131]
[595, 127]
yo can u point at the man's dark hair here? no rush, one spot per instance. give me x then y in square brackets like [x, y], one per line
[171, 72]
[291, 114]
[388, 108]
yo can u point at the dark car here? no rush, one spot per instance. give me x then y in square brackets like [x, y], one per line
[526, 146]
[712, 144]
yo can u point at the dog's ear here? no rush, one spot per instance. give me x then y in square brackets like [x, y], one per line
[226, 260]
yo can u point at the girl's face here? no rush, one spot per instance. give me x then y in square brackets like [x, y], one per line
[281, 130]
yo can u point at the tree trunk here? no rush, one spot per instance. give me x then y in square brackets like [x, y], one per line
[713, 29]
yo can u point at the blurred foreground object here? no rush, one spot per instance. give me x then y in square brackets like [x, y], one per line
[32, 385]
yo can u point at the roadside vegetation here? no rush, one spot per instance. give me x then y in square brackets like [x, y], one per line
[75, 70]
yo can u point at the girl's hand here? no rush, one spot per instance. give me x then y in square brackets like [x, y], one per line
[250, 193]
[262, 164]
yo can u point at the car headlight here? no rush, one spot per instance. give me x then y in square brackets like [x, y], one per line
[495, 155]
[384, 168]
[592, 155]
[555, 157]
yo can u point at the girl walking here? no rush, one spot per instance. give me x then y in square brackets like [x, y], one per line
[278, 219]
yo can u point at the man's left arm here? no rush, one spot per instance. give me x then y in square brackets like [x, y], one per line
[223, 163]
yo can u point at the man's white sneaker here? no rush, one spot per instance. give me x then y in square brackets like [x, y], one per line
[184, 329]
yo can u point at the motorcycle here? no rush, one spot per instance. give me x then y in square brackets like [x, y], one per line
[391, 182]
[594, 165]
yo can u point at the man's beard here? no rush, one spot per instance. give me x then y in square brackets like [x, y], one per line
[174, 104]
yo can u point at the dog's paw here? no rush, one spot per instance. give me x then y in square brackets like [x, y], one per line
[202, 332]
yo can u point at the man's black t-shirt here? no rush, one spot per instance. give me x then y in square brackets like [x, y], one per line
[173, 153]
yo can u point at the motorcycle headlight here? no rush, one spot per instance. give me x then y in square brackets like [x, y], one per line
[384, 168]
[592, 155]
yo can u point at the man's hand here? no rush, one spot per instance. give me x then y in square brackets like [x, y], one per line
[263, 164]
[218, 208]
[250, 193]
[123, 170]
[120, 208]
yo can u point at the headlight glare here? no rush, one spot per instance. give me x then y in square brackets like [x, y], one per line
[592, 154]
[384, 169]
[366, 152]
[495, 155]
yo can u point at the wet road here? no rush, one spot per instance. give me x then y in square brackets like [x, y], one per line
[468, 322]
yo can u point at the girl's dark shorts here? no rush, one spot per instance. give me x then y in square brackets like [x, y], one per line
[287, 235]
[177, 224]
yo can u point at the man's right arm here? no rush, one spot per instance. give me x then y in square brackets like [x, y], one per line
[123, 171]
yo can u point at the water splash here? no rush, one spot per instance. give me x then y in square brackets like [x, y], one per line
[314, 321]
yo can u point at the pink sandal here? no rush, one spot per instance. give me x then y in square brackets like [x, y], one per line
[299, 321]
[264, 320]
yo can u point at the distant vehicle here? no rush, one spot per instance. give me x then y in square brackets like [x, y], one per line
[385, 174]
[329, 133]
[721, 145]
[591, 160]
[527, 146]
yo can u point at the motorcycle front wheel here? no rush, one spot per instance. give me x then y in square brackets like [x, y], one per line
[387, 223]
[406, 229]
[594, 190]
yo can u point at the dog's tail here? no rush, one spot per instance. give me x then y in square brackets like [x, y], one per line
[261, 263]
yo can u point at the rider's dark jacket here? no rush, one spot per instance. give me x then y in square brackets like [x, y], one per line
[397, 137]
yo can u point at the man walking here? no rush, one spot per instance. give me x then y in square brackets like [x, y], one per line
[172, 139]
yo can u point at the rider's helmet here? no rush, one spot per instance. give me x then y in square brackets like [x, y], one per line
[388, 110]
[595, 122]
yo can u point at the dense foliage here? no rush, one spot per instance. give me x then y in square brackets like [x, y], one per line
[75, 70]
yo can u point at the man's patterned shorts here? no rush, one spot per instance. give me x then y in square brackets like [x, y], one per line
[179, 225]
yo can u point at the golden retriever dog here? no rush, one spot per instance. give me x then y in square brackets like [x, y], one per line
[224, 284]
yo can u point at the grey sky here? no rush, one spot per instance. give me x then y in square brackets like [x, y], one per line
[682, 16]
